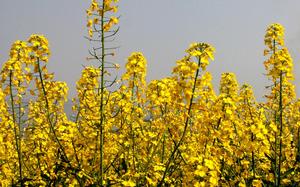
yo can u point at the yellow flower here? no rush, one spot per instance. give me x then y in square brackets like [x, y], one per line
[114, 20]
[90, 23]
[202, 51]
[209, 164]
[128, 183]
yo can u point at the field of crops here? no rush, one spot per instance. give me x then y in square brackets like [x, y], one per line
[176, 131]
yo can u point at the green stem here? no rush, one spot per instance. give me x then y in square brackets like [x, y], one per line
[102, 97]
[252, 137]
[281, 127]
[50, 121]
[48, 108]
[131, 125]
[17, 135]
[163, 148]
[275, 116]
[171, 158]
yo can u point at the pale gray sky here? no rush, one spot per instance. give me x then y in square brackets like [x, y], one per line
[162, 30]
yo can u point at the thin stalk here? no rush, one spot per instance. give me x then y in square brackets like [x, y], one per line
[50, 122]
[79, 110]
[47, 107]
[253, 158]
[275, 116]
[164, 134]
[252, 139]
[102, 96]
[49, 119]
[298, 145]
[171, 158]
[281, 127]
[275, 158]
[163, 148]
[17, 134]
[20, 135]
[131, 128]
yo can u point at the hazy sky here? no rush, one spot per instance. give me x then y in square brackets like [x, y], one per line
[162, 30]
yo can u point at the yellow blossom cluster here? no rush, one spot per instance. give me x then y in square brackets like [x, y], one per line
[95, 16]
[38, 46]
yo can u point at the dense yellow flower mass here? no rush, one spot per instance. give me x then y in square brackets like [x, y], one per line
[176, 131]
